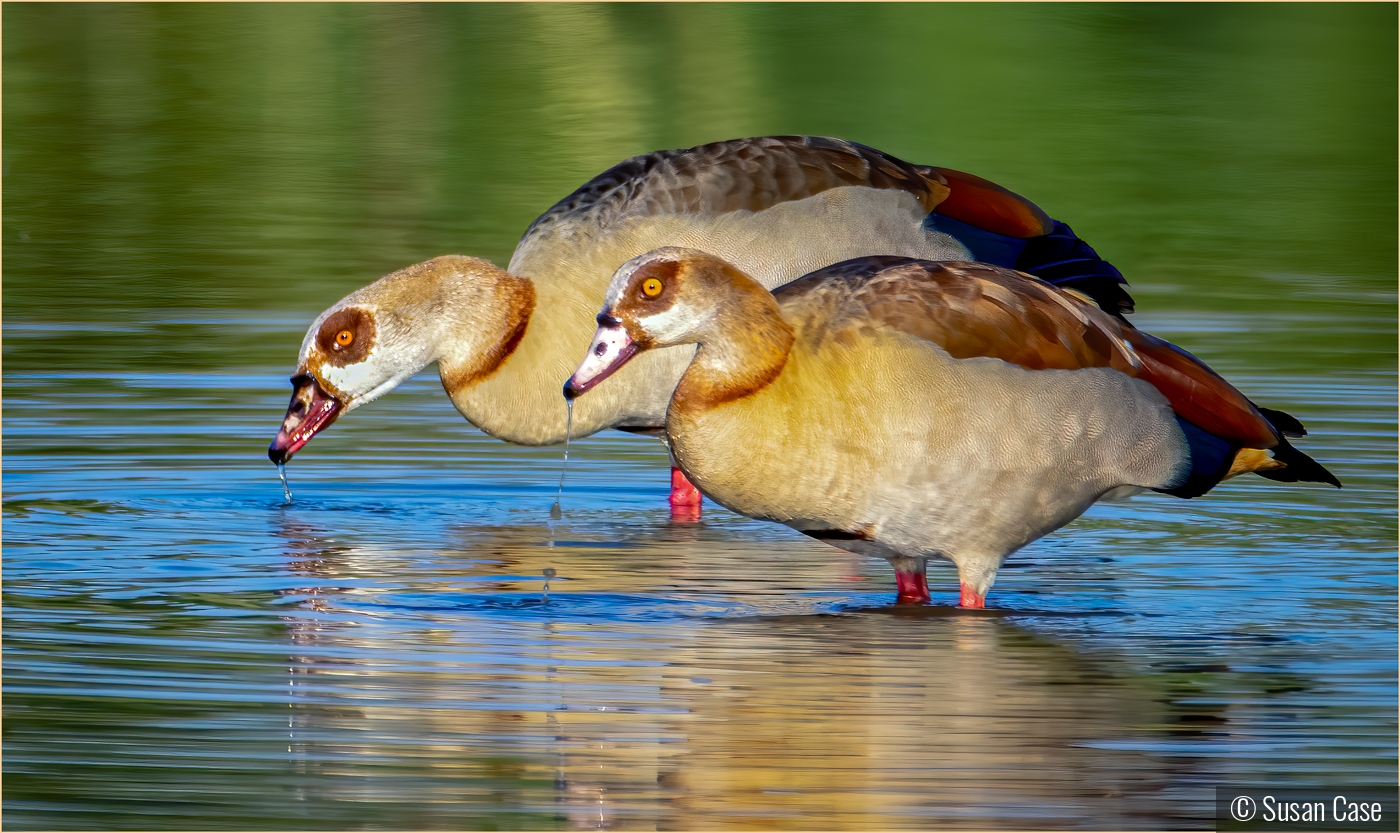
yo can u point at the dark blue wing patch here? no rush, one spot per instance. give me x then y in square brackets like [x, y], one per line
[1211, 458]
[986, 246]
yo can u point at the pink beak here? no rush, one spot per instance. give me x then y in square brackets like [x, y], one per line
[610, 350]
[311, 410]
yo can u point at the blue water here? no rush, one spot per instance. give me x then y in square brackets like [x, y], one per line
[379, 650]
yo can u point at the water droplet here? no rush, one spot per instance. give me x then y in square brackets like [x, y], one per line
[282, 473]
[549, 573]
[557, 510]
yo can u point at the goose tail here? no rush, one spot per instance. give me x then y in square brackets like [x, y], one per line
[1297, 467]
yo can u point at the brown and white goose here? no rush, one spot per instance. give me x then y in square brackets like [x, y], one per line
[778, 207]
[911, 409]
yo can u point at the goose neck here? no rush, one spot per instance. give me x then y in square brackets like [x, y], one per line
[485, 322]
[745, 349]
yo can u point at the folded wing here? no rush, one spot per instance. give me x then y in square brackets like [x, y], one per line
[974, 309]
[997, 225]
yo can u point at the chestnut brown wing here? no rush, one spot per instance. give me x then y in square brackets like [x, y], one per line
[974, 309]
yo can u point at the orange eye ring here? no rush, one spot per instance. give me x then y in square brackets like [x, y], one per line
[651, 287]
[343, 338]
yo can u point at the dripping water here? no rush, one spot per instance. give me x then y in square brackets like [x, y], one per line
[556, 511]
[286, 490]
[549, 573]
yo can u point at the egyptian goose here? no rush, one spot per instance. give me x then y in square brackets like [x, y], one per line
[778, 207]
[909, 409]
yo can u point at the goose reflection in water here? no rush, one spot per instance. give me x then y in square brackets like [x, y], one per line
[626, 697]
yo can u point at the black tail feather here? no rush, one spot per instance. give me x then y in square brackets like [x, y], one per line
[1285, 423]
[1108, 293]
[1300, 467]
[1063, 259]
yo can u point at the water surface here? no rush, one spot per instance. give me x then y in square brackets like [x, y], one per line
[186, 187]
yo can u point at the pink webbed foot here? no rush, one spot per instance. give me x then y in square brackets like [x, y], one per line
[970, 598]
[913, 588]
[685, 498]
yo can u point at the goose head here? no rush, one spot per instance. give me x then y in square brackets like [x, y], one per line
[663, 298]
[377, 337]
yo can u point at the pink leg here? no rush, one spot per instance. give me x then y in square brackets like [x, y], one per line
[970, 598]
[913, 588]
[685, 498]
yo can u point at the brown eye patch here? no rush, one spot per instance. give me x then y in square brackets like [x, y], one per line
[346, 336]
[652, 279]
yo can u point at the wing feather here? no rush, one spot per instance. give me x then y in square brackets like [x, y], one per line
[987, 205]
[741, 174]
[975, 309]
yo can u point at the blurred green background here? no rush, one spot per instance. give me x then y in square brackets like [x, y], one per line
[1235, 158]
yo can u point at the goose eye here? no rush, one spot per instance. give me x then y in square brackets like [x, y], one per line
[651, 287]
[343, 338]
